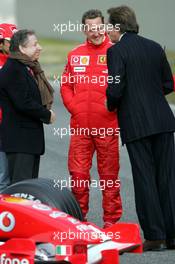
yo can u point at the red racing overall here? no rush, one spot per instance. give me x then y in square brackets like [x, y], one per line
[93, 128]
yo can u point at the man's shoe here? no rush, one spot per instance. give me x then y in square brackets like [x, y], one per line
[170, 243]
[154, 245]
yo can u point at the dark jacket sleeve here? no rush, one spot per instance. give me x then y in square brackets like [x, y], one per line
[167, 77]
[18, 91]
[116, 70]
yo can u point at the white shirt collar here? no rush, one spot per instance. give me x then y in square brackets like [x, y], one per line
[121, 36]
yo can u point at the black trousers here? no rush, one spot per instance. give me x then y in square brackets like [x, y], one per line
[153, 168]
[22, 166]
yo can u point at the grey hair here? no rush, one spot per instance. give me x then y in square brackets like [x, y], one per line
[20, 38]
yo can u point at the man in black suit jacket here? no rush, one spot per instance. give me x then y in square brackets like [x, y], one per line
[23, 112]
[146, 124]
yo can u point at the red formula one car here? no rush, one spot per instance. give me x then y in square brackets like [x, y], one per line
[36, 232]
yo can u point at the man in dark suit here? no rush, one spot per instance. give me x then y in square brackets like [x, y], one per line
[23, 110]
[146, 124]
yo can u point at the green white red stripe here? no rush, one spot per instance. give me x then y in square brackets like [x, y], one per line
[64, 250]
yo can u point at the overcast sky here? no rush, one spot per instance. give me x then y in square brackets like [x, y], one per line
[156, 18]
[7, 11]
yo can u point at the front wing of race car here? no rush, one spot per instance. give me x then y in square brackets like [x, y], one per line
[32, 232]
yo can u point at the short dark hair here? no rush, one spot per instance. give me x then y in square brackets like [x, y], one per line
[20, 38]
[92, 13]
[125, 16]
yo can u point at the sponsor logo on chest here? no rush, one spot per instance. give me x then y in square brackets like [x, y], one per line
[80, 60]
[79, 69]
[102, 60]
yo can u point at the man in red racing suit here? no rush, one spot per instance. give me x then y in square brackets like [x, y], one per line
[3, 56]
[6, 32]
[93, 128]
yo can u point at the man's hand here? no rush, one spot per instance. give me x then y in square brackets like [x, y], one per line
[52, 117]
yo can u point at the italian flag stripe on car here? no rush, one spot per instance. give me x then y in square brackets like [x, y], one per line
[63, 250]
